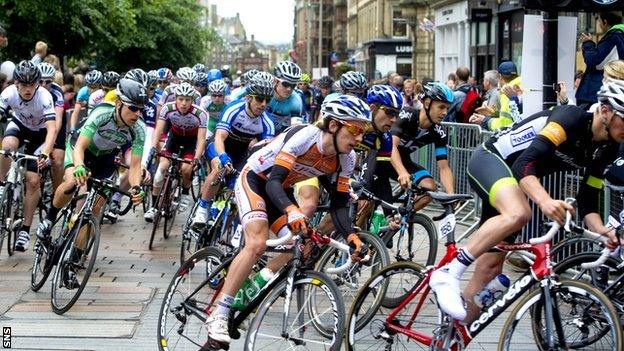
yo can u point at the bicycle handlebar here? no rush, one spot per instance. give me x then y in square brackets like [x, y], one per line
[602, 259]
[17, 156]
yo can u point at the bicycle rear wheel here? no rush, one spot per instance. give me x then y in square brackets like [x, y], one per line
[183, 313]
[160, 205]
[171, 210]
[265, 330]
[65, 290]
[367, 320]
[587, 317]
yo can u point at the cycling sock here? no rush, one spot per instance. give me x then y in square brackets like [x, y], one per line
[52, 213]
[460, 263]
[204, 203]
[26, 228]
[224, 304]
[185, 191]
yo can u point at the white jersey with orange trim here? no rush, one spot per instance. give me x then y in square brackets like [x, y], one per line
[301, 153]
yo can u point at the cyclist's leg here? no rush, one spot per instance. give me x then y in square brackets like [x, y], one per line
[11, 141]
[58, 156]
[32, 182]
[423, 178]
[494, 183]
[307, 196]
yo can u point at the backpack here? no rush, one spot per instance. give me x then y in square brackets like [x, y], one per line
[469, 105]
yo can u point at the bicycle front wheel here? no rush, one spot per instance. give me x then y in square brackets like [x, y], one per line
[268, 331]
[75, 265]
[190, 298]
[418, 244]
[588, 321]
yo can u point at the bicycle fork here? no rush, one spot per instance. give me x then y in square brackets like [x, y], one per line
[290, 287]
[552, 320]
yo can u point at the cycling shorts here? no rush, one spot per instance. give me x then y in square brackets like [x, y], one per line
[175, 143]
[238, 157]
[35, 140]
[101, 167]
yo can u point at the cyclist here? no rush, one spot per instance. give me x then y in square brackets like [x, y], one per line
[353, 83]
[34, 120]
[201, 84]
[164, 79]
[91, 151]
[110, 80]
[240, 91]
[505, 170]
[188, 132]
[199, 68]
[58, 153]
[325, 84]
[184, 74]
[265, 197]
[214, 103]
[214, 74]
[244, 123]
[88, 97]
[306, 93]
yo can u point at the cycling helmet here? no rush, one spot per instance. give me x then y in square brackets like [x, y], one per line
[385, 95]
[94, 77]
[325, 82]
[164, 74]
[248, 75]
[110, 79]
[346, 108]
[152, 78]
[439, 92]
[138, 75]
[288, 71]
[184, 89]
[236, 82]
[305, 78]
[353, 80]
[26, 72]
[7, 67]
[202, 79]
[217, 87]
[214, 74]
[131, 93]
[186, 74]
[612, 93]
[262, 84]
[199, 67]
[47, 70]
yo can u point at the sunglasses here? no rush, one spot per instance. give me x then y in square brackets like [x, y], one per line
[134, 109]
[288, 85]
[216, 95]
[45, 81]
[353, 129]
[390, 111]
[260, 99]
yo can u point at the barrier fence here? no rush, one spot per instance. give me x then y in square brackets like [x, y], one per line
[463, 139]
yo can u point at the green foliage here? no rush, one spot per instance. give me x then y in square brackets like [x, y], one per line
[341, 68]
[112, 34]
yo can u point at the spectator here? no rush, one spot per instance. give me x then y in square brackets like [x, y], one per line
[510, 96]
[4, 81]
[41, 50]
[54, 61]
[409, 93]
[490, 85]
[577, 79]
[69, 96]
[472, 80]
[4, 40]
[462, 74]
[396, 81]
[596, 56]
[7, 68]
[451, 81]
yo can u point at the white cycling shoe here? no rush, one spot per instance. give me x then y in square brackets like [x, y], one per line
[448, 293]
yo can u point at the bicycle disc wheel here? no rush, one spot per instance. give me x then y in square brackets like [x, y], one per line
[587, 317]
[266, 329]
[182, 315]
[367, 326]
[350, 281]
[66, 291]
[424, 241]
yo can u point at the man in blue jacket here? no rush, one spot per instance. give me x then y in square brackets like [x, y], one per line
[596, 56]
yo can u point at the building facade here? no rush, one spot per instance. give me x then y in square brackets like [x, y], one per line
[314, 24]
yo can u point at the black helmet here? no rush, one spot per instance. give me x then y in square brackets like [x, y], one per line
[110, 79]
[26, 72]
[131, 93]
[325, 82]
[138, 75]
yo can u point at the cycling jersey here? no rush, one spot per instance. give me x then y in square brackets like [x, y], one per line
[412, 137]
[187, 124]
[168, 95]
[31, 114]
[110, 97]
[149, 114]
[546, 142]
[96, 98]
[242, 127]
[57, 95]
[215, 113]
[293, 156]
[381, 143]
[106, 135]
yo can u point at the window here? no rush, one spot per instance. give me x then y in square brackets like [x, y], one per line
[399, 24]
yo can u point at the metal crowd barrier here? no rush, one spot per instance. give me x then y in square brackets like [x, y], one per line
[462, 141]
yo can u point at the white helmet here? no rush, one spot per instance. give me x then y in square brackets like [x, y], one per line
[352, 80]
[612, 93]
[47, 70]
[7, 67]
[217, 87]
[184, 89]
[288, 71]
[346, 108]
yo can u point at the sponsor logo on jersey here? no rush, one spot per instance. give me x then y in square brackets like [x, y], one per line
[554, 132]
[522, 136]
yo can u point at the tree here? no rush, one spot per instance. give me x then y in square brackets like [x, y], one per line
[112, 34]
[342, 68]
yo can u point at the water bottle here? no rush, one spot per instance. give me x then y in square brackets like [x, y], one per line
[251, 287]
[492, 291]
[377, 221]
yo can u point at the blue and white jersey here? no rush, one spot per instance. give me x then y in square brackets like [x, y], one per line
[243, 127]
[281, 111]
